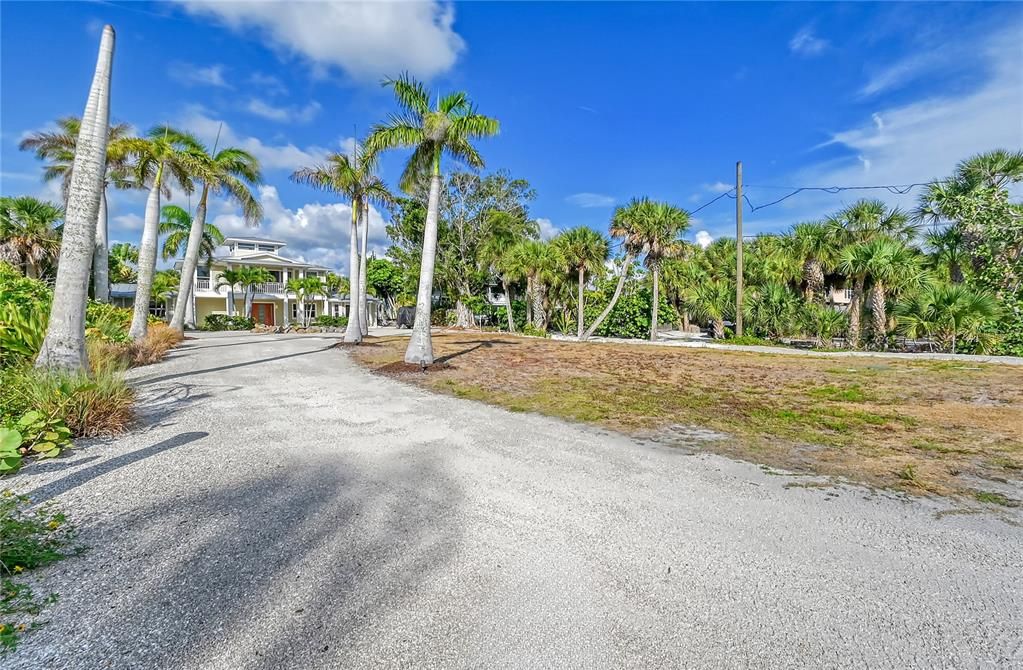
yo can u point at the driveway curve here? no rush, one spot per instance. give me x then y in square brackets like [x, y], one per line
[282, 508]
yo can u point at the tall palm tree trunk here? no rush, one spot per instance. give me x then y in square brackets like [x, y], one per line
[508, 305]
[230, 298]
[64, 344]
[250, 294]
[855, 307]
[878, 318]
[353, 332]
[579, 307]
[101, 254]
[529, 300]
[363, 286]
[420, 347]
[191, 261]
[814, 275]
[719, 329]
[654, 304]
[614, 298]
[539, 312]
[147, 260]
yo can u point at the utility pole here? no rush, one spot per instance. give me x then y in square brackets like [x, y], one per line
[738, 249]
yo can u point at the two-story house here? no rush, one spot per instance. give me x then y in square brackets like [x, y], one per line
[272, 303]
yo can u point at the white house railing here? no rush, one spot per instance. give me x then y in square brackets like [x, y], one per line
[202, 285]
[270, 287]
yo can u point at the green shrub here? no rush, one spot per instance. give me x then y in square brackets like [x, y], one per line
[331, 321]
[748, 340]
[32, 434]
[533, 331]
[100, 405]
[22, 330]
[216, 322]
[630, 317]
[28, 539]
[107, 323]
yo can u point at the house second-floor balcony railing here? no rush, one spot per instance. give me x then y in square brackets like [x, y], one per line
[270, 287]
[203, 285]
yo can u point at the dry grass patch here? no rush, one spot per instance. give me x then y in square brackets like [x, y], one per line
[920, 426]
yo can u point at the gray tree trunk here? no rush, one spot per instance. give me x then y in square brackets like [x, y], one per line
[147, 261]
[250, 294]
[539, 309]
[529, 300]
[190, 308]
[230, 298]
[614, 298]
[64, 344]
[100, 254]
[363, 286]
[855, 307]
[508, 305]
[654, 304]
[464, 317]
[191, 261]
[579, 308]
[353, 332]
[420, 347]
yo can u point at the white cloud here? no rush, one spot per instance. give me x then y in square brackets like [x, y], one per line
[283, 114]
[917, 141]
[267, 84]
[547, 229]
[590, 200]
[315, 232]
[717, 187]
[271, 157]
[194, 75]
[125, 222]
[367, 40]
[703, 239]
[805, 43]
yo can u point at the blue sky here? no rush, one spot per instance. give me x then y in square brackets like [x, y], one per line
[598, 102]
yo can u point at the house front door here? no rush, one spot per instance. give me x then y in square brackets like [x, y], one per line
[263, 312]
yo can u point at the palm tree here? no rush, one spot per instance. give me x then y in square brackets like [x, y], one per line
[948, 253]
[823, 322]
[431, 133]
[816, 245]
[352, 177]
[64, 344]
[176, 226]
[772, 309]
[504, 230]
[248, 277]
[585, 250]
[337, 284]
[660, 236]
[713, 300]
[164, 284]
[161, 159]
[29, 237]
[123, 259]
[885, 261]
[230, 173]
[625, 225]
[866, 220]
[304, 288]
[230, 279]
[949, 313]
[540, 263]
[59, 149]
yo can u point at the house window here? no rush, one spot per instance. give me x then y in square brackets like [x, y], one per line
[246, 246]
[267, 247]
[336, 309]
[847, 293]
[158, 309]
[310, 310]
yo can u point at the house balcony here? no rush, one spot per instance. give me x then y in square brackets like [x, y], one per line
[273, 287]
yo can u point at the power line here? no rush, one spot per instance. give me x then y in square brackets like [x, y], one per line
[894, 189]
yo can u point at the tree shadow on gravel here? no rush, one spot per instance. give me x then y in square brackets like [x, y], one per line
[83, 475]
[178, 375]
[281, 570]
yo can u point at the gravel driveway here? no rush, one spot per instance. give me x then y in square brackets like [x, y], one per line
[281, 508]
